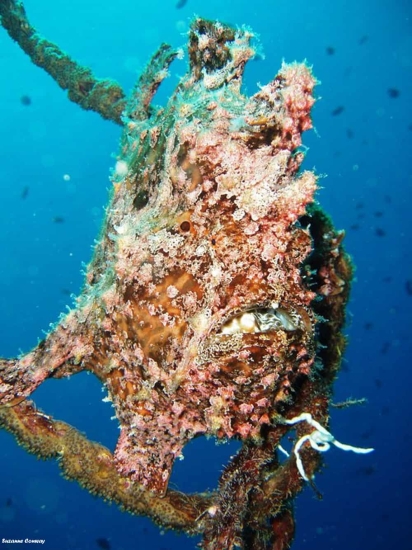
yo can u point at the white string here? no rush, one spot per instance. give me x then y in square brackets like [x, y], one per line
[320, 440]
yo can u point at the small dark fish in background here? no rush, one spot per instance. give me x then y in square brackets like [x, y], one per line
[9, 502]
[348, 72]
[25, 100]
[368, 325]
[330, 50]
[367, 434]
[103, 543]
[393, 93]
[363, 40]
[378, 214]
[366, 470]
[349, 133]
[58, 219]
[380, 232]
[408, 287]
[385, 348]
[181, 4]
[24, 192]
[338, 110]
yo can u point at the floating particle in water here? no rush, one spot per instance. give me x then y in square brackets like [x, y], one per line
[393, 93]
[25, 100]
[103, 543]
[338, 110]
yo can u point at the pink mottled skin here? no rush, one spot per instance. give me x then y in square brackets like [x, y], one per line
[202, 227]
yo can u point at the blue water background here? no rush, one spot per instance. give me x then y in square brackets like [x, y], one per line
[364, 154]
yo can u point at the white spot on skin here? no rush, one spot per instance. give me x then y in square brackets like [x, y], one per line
[200, 322]
[212, 510]
[200, 250]
[121, 168]
[172, 291]
[251, 228]
[238, 214]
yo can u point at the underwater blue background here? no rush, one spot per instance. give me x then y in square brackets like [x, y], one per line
[55, 162]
